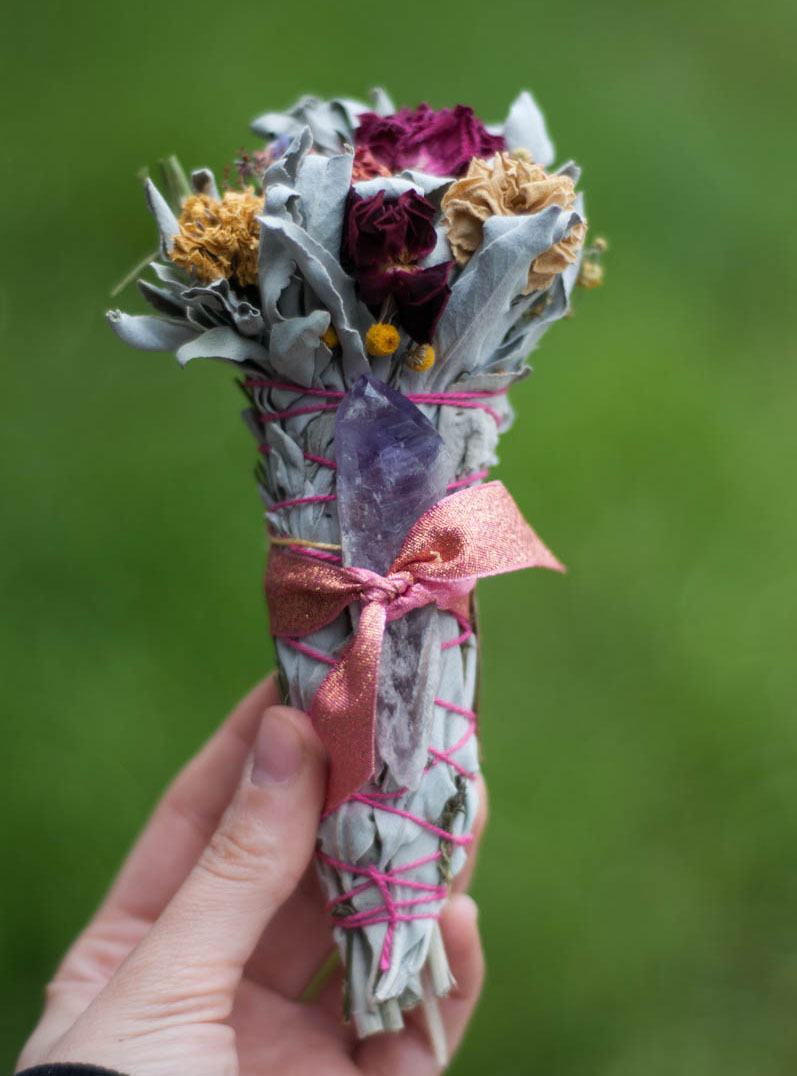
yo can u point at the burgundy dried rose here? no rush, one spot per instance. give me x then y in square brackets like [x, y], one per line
[383, 241]
[377, 232]
[440, 142]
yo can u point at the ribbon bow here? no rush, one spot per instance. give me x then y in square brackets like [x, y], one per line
[474, 533]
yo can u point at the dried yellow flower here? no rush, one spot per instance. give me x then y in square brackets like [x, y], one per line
[381, 340]
[509, 186]
[219, 237]
[420, 358]
[330, 337]
[590, 275]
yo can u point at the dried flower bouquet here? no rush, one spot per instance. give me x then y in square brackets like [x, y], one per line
[378, 278]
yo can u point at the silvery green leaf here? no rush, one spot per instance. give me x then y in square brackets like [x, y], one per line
[525, 129]
[432, 187]
[479, 313]
[169, 275]
[274, 124]
[393, 186]
[491, 381]
[275, 267]
[286, 463]
[332, 123]
[163, 300]
[208, 296]
[148, 333]
[222, 343]
[515, 349]
[275, 273]
[323, 185]
[521, 338]
[297, 298]
[569, 168]
[248, 320]
[220, 296]
[286, 168]
[202, 317]
[558, 298]
[293, 346]
[442, 248]
[204, 182]
[381, 103]
[164, 218]
[281, 200]
[472, 435]
[331, 285]
[353, 109]
[355, 832]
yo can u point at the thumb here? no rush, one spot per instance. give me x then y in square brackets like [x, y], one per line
[252, 863]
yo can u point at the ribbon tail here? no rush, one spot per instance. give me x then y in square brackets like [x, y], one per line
[344, 708]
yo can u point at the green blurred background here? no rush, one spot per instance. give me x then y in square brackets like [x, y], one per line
[638, 887]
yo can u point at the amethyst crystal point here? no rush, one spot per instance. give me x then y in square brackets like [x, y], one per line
[392, 466]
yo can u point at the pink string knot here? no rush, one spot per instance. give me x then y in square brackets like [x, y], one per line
[387, 589]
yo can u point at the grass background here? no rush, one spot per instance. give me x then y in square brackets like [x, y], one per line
[638, 880]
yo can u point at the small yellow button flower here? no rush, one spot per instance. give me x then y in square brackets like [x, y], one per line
[420, 358]
[330, 338]
[381, 340]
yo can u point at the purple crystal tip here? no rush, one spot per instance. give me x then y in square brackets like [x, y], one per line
[392, 466]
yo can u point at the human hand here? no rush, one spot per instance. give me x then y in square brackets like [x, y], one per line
[198, 958]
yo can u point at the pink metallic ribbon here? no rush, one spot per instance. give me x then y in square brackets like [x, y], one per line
[474, 533]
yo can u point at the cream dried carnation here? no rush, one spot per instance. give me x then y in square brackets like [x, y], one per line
[508, 186]
[219, 237]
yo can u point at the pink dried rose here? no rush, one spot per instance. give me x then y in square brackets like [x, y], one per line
[440, 142]
[507, 186]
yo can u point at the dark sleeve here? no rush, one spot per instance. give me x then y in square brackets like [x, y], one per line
[68, 1069]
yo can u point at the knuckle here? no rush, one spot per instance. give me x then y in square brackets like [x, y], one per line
[237, 854]
[178, 803]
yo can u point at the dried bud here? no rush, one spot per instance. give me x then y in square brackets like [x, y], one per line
[381, 340]
[330, 338]
[420, 358]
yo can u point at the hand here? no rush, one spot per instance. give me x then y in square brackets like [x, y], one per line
[197, 960]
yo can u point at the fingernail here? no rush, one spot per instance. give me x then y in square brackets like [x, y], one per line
[278, 751]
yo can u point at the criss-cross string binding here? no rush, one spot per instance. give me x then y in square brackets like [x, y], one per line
[467, 400]
[422, 899]
[394, 910]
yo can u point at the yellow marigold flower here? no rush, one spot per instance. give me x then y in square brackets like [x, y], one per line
[219, 237]
[330, 337]
[381, 340]
[508, 186]
[420, 358]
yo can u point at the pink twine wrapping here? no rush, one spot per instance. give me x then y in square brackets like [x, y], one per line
[392, 597]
